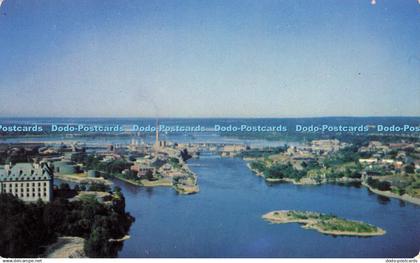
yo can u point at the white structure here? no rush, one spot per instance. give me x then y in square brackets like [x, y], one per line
[327, 146]
[29, 182]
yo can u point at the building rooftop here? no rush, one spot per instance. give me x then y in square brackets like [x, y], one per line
[24, 172]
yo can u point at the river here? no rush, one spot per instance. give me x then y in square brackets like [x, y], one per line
[224, 218]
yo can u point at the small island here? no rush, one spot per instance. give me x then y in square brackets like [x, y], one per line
[324, 223]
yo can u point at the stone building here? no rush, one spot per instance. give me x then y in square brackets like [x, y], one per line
[29, 182]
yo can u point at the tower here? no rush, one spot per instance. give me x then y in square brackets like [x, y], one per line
[157, 133]
[157, 143]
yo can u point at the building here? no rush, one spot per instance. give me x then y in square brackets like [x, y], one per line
[142, 170]
[29, 182]
[65, 167]
[143, 167]
[232, 149]
[326, 146]
[135, 146]
[375, 146]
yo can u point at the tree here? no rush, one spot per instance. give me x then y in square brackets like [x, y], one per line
[185, 155]
[25, 229]
[64, 187]
[380, 185]
[22, 228]
[409, 168]
[97, 245]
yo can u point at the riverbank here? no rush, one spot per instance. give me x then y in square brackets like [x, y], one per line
[126, 237]
[323, 223]
[404, 197]
[303, 181]
[313, 181]
[343, 180]
[66, 247]
[181, 188]
[165, 182]
[257, 173]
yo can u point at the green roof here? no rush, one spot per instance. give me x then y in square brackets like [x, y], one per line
[24, 172]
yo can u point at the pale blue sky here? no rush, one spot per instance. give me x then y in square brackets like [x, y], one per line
[209, 58]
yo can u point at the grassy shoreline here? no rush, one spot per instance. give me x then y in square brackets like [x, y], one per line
[404, 197]
[309, 181]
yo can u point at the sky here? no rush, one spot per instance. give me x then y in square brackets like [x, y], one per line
[219, 58]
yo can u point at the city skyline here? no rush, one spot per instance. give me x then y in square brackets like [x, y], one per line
[209, 59]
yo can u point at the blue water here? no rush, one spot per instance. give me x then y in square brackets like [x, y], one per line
[224, 218]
